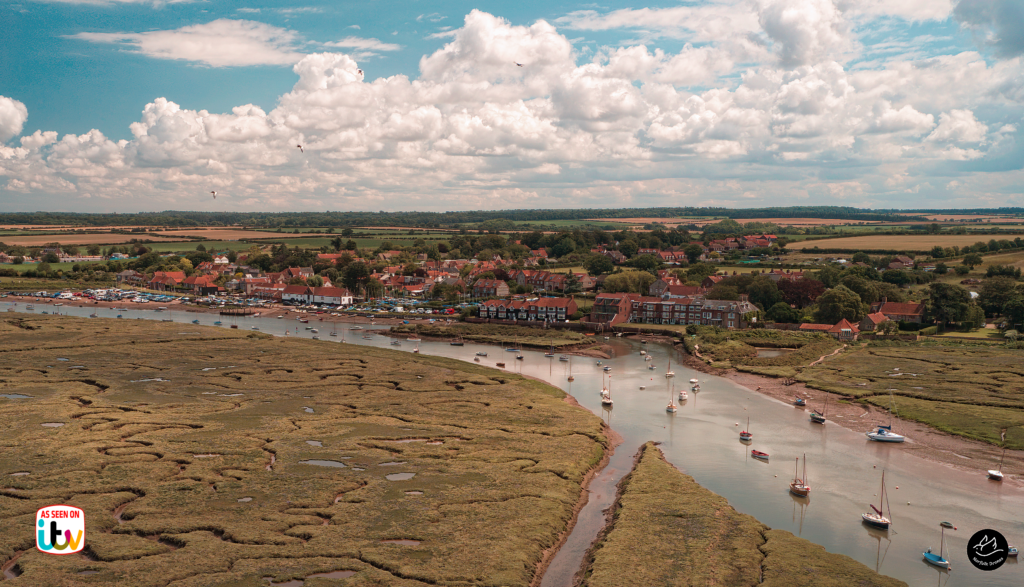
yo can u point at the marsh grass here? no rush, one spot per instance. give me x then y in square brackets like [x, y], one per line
[499, 481]
[498, 334]
[668, 530]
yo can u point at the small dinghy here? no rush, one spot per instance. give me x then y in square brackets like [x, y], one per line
[799, 402]
[759, 455]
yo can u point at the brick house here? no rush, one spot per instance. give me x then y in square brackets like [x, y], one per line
[611, 308]
[907, 312]
[490, 288]
[871, 321]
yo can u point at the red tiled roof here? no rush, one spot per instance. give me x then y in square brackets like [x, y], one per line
[877, 317]
[821, 327]
[844, 324]
[901, 308]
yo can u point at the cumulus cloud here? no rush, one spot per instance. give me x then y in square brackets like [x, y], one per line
[220, 43]
[364, 44]
[12, 117]
[629, 124]
[913, 10]
[998, 23]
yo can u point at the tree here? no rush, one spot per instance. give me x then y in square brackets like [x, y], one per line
[895, 277]
[975, 317]
[93, 250]
[995, 293]
[564, 247]
[201, 247]
[941, 269]
[723, 292]
[962, 270]
[18, 260]
[861, 257]
[232, 255]
[801, 293]
[50, 258]
[698, 271]
[838, 303]
[629, 282]
[949, 302]
[315, 281]
[781, 312]
[354, 275]
[43, 268]
[645, 263]
[888, 328]
[572, 284]
[972, 260]
[764, 293]
[693, 252]
[346, 232]
[1014, 310]
[337, 243]
[829, 275]
[628, 248]
[598, 264]
[862, 287]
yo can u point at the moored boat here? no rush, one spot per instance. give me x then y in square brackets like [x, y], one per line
[997, 474]
[939, 560]
[746, 434]
[759, 455]
[875, 517]
[799, 485]
[800, 402]
[885, 433]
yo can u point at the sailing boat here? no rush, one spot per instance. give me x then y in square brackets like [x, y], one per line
[875, 518]
[519, 350]
[799, 485]
[571, 378]
[997, 474]
[606, 394]
[745, 434]
[819, 417]
[668, 370]
[938, 559]
[551, 353]
[334, 331]
[683, 396]
[885, 433]
[671, 407]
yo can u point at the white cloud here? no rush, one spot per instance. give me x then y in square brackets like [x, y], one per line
[628, 124]
[912, 10]
[711, 21]
[364, 44]
[998, 23]
[220, 43]
[156, 3]
[959, 126]
[12, 117]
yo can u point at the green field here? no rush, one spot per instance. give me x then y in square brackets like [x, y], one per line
[191, 451]
[976, 391]
[668, 530]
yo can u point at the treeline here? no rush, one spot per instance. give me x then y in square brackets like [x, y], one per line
[426, 219]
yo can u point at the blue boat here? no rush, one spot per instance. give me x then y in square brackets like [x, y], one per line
[800, 402]
[195, 322]
[939, 560]
[217, 323]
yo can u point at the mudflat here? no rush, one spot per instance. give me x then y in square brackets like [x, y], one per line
[668, 530]
[206, 457]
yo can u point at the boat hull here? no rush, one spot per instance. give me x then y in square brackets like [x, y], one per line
[875, 521]
[799, 489]
[885, 437]
[746, 436]
[759, 455]
[817, 419]
[936, 560]
[995, 475]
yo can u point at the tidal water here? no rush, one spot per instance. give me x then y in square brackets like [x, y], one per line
[843, 468]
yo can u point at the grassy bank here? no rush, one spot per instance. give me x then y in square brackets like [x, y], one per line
[179, 424]
[972, 390]
[498, 334]
[738, 348]
[668, 530]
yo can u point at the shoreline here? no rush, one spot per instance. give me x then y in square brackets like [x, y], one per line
[924, 441]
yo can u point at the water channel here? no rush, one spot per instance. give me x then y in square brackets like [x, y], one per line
[844, 469]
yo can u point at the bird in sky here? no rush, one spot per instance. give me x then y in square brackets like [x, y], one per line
[517, 63]
[300, 148]
[360, 71]
[214, 195]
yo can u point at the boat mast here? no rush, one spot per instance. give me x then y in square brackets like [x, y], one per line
[805, 468]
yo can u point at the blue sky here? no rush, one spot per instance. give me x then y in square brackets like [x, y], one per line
[143, 105]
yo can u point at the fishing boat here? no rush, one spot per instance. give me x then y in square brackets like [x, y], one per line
[885, 433]
[480, 354]
[457, 342]
[746, 434]
[563, 358]
[799, 484]
[607, 368]
[668, 370]
[819, 417]
[316, 338]
[309, 328]
[800, 402]
[333, 334]
[502, 365]
[759, 455]
[683, 396]
[303, 320]
[875, 517]
[997, 474]
[939, 560]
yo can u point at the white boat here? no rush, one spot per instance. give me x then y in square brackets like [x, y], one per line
[885, 433]
[875, 517]
[997, 474]
[668, 371]
[607, 368]
[643, 352]
[651, 366]
[606, 395]
[693, 381]
[683, 396]
[643, 387]
[648, 358]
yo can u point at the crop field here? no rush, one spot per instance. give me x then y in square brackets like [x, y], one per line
[39, 240]
[214, 457]
[898, 242]
[970, 390]
[668, 530]
[216, 233]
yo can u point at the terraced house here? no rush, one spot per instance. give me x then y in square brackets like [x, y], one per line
[540, 309]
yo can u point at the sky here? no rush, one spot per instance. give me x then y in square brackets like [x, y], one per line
[143, 105]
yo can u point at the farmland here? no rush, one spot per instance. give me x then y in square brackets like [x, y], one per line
[236, 462]
[668, 530]
[922, 243]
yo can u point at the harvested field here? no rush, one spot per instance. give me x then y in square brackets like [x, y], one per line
[189, 448]
[668, 530]
[39, 240]
[898, 242]
[972, 391]
[704, 221]
[223, 233]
